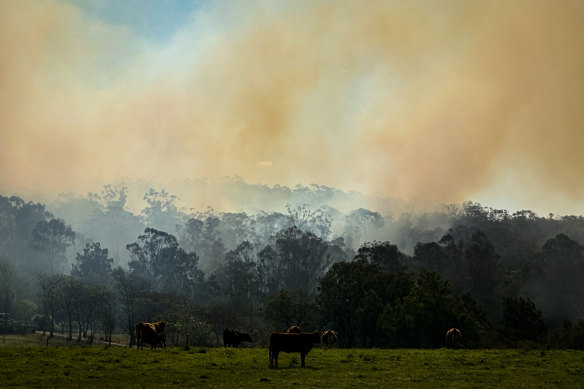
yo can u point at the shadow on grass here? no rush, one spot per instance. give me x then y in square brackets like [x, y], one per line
[294, 368]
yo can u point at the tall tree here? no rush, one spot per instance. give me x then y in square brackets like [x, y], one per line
[315, 221]
[270, 281]
[236, 228]
[360, 224]
[162, 212]
[239, 279]
[269, 224]
[145, 255]
[432, 256]
[112, 196]
[49, 297]
[53, 238]
[421, 318]
[111, 224]
[483, 271]
[94, 265]
[7, 287]
[522, 321]
[106, 312]
[128, 289]
[69, 292]
[384, 254]
[353, 294]
[157, 257]
[202, 237]
[302, 259]
[559, 271]
[17, 220]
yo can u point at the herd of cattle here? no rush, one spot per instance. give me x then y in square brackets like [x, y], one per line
[291, 341]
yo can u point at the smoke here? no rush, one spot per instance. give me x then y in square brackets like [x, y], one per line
[440, 102]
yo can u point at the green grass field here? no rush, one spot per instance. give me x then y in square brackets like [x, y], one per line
[29, 363]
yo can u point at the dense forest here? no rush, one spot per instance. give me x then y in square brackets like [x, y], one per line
[87, 266]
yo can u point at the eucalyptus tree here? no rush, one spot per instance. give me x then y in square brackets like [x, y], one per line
[202, 236]
[162, 212]
[156, 256]
[94, 265]
[17, 221]
[302, 258]
[239, 280]
[52, 238]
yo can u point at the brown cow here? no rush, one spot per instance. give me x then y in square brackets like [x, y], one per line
[453, 338]
[329, 338]
[234, 338]
[292, 343]
[151, 333]
[294, 330]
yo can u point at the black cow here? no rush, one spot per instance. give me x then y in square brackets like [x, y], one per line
[234, 338]
[151, 333]
[292, 343]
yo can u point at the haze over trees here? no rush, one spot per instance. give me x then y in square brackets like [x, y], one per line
[402, 280]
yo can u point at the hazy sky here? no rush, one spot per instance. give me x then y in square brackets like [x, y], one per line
[431, 100]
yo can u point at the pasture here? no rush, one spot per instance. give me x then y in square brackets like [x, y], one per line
[30, 363]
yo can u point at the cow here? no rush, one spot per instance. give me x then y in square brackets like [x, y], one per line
[453, 338]
[151, 333]
[294, 330]
[329, 338]
[292, 343]
[234, 338]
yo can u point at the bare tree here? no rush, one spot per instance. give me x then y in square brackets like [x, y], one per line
[128, 289]
[48, 296]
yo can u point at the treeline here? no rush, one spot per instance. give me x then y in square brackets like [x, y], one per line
[503, 279]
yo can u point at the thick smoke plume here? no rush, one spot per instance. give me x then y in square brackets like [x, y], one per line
[434, 101]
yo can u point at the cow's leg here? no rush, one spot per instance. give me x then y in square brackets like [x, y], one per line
[276, 353]
[271, 359]
[302, 356]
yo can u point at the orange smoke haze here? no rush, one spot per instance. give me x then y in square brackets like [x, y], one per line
[431, 101]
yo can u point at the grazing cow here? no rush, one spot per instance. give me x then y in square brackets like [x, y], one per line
[453, 338]
[292, 343]
[329, 338]
[294, 330]
[151, 333]
[234, 338]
